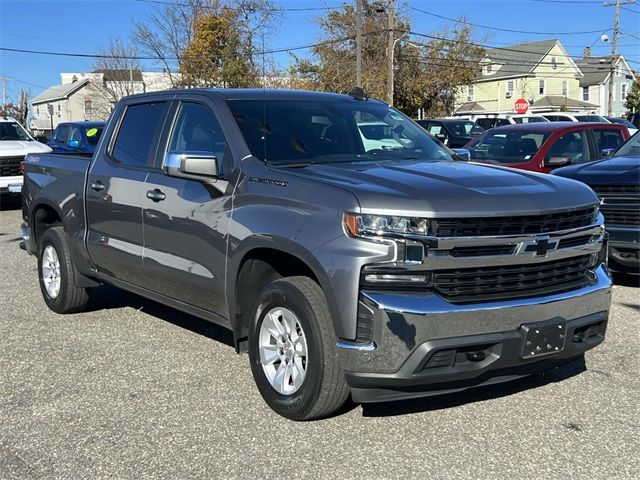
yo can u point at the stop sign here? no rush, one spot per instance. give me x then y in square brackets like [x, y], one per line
[521, 105]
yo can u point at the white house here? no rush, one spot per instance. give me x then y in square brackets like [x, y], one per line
[90, 96]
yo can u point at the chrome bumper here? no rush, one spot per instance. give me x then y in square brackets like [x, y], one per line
[404, 321]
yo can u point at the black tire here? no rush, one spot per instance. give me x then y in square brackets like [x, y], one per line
[70, 299]
[324, 389]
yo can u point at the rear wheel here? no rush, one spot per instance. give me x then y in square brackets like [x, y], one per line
[57, 276]
[292, 351]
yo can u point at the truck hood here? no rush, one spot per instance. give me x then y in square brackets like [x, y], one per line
[440, 189]
[14, 148]
[611, 171]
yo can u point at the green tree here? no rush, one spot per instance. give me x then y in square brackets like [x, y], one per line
[633, 98]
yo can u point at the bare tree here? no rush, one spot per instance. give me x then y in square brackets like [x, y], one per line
[116, 73]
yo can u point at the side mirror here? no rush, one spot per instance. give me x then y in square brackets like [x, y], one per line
[607, 152]
[73, 144]
[440, 136]
[463, 153]
[191, 165]
[556, 161]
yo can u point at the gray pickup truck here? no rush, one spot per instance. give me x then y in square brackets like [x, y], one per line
[348, 251]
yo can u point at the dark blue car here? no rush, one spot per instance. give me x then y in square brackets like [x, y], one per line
[616, 180]
[76, 137]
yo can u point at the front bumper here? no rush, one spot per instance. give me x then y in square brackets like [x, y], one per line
[415, 334]
[624, 249]
[12, 184]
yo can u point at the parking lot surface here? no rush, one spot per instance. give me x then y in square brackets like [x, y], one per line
[132, 389]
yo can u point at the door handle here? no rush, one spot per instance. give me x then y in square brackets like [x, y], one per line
[156, 195]
[97, 185]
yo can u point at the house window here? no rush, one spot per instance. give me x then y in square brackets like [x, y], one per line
[488, 69]
[623, 92]
[469, 93]
[88, 108]
[511, 85]
[565, 88]
[585, 94]
[554, 63]
[541, 87]
[38, 110]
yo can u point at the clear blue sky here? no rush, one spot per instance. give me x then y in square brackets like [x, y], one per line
[83, 26]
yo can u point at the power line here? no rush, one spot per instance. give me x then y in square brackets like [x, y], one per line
[211, 7]
[464, 22]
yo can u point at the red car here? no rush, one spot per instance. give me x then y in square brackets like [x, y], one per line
[541, 147]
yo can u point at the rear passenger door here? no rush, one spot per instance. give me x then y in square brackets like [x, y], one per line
[116, 188]
[185, 219]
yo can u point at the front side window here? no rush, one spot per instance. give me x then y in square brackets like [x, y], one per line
[282, 131]
[507, 147]
[76, 134]
[137, 133]
[572, 146]
[464, 128]
[93, 135]
[197, 130]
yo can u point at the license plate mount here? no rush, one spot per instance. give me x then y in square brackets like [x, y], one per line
[544, 338]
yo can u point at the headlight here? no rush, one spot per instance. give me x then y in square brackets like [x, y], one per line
[358, 225]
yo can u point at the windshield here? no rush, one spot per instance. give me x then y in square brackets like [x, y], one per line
[13, 131]
[284, 132]
[507, 147]
[464, 129]
[591, 118]
[630, 149]
[93, 135]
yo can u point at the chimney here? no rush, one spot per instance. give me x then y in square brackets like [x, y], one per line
[586, 53]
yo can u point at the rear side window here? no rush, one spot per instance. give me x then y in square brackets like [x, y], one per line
[62, 134]
[137, 132]
[607, 138]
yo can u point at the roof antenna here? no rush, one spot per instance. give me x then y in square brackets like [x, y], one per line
[358, 93]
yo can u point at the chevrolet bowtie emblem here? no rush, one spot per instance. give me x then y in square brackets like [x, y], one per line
[540, 246]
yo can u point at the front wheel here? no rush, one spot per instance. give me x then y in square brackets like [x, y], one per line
[57, 276]
[292, 351]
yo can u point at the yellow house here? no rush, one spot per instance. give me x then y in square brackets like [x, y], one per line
[542, 73]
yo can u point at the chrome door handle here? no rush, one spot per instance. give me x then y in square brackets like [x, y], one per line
[156, 195]
[97, 185]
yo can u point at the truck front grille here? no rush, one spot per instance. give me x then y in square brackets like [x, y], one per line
[620, 204]
[514, 225]
[10, 166]
[466, 285]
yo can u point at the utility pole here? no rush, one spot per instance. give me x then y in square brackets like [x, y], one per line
[4, 92]
[359, 43]
[390, 46]
[614, 44]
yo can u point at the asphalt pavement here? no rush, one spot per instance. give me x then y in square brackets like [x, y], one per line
[132, 389]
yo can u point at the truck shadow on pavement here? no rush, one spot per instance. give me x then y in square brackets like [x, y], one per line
[10, 202]
[626, 280]
[106, 298]
[477, 394]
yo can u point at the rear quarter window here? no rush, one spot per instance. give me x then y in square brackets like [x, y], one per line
[607, 138]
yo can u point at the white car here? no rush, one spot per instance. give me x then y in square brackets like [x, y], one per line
[15, 143]
[575, 117]
[498, 120]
